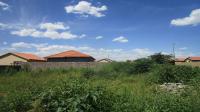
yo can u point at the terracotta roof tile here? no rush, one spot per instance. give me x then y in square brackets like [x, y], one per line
[194, 58]
[71, 53]
[29, 56]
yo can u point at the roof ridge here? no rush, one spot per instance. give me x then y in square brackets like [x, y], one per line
[28, 56]
[69, 53]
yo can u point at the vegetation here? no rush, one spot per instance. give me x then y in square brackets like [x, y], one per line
[160, 58]
[117, 87]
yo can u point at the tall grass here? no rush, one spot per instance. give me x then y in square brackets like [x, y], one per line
[116, 87]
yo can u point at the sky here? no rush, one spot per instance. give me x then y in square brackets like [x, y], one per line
[116, 29]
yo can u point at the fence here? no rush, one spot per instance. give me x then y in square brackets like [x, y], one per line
[55, 65]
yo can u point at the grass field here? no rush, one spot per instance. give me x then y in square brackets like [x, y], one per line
[113, 88]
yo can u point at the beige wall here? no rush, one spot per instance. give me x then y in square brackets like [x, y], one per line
[10, 59]
[188, 63]
[103, 61]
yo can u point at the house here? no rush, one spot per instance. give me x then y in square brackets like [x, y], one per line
[192, 59]
[12, 58]
[70, 56]
[105, 60]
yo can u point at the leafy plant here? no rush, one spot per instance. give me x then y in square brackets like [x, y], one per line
[76, 97]
[170, 73]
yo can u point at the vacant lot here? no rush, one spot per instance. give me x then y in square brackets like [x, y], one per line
[116, 87]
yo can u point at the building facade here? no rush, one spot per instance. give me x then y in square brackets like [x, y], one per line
[70, 56]
[13, 58]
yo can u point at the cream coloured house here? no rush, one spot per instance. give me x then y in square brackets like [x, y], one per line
[191, 61]
[105, 60]
[12, 58]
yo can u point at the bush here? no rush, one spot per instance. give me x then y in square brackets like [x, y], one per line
[160, 58]
[176, 74]
[16, 102]
[88, 72]
[169, 103]
[122, 67]
[142, 66]
[136, 67]
[77, 96]
[9, 70]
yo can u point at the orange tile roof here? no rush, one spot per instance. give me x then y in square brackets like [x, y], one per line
[194, 58]
[71, 53]
[29, 56]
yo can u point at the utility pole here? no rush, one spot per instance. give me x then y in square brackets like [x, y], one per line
[174, 55]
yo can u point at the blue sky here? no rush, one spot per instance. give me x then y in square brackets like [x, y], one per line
[118, 29]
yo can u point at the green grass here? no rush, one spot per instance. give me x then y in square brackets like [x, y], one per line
[101, 89]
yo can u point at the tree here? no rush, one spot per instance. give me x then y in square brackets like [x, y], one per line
[160, 58]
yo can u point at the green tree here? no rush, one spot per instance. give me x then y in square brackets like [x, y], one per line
[160, 58]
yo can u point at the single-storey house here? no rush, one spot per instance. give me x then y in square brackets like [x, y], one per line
[192, 59]
[13, 58]
[105, 60]
[188, 59]
[70, 56]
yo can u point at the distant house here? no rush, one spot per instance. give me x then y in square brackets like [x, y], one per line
[70, 56]
[192, 59]
[12, 58]
[105, 60]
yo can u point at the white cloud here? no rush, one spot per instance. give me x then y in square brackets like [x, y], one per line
[83, 35]
[4, 26]
[53, 26]
[99, 37]
[4, 6]
[44, 49]
[183, 48]
[85, 8]
[192, 19]
[120, 39]
[48, 30]
[142, 52]
[24, 32]
[23, 45]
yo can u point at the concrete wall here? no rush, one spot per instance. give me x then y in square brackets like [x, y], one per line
[54, 65]
[194, 64]
[10, 59]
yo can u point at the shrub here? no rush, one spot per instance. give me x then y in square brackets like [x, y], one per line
[170, 73]
[16, 102]
[160, 58]
[77, 96]
[9, 70]
[88, 72]
[136, 67]
[123, 67]
[169, 103]
[142, 66]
